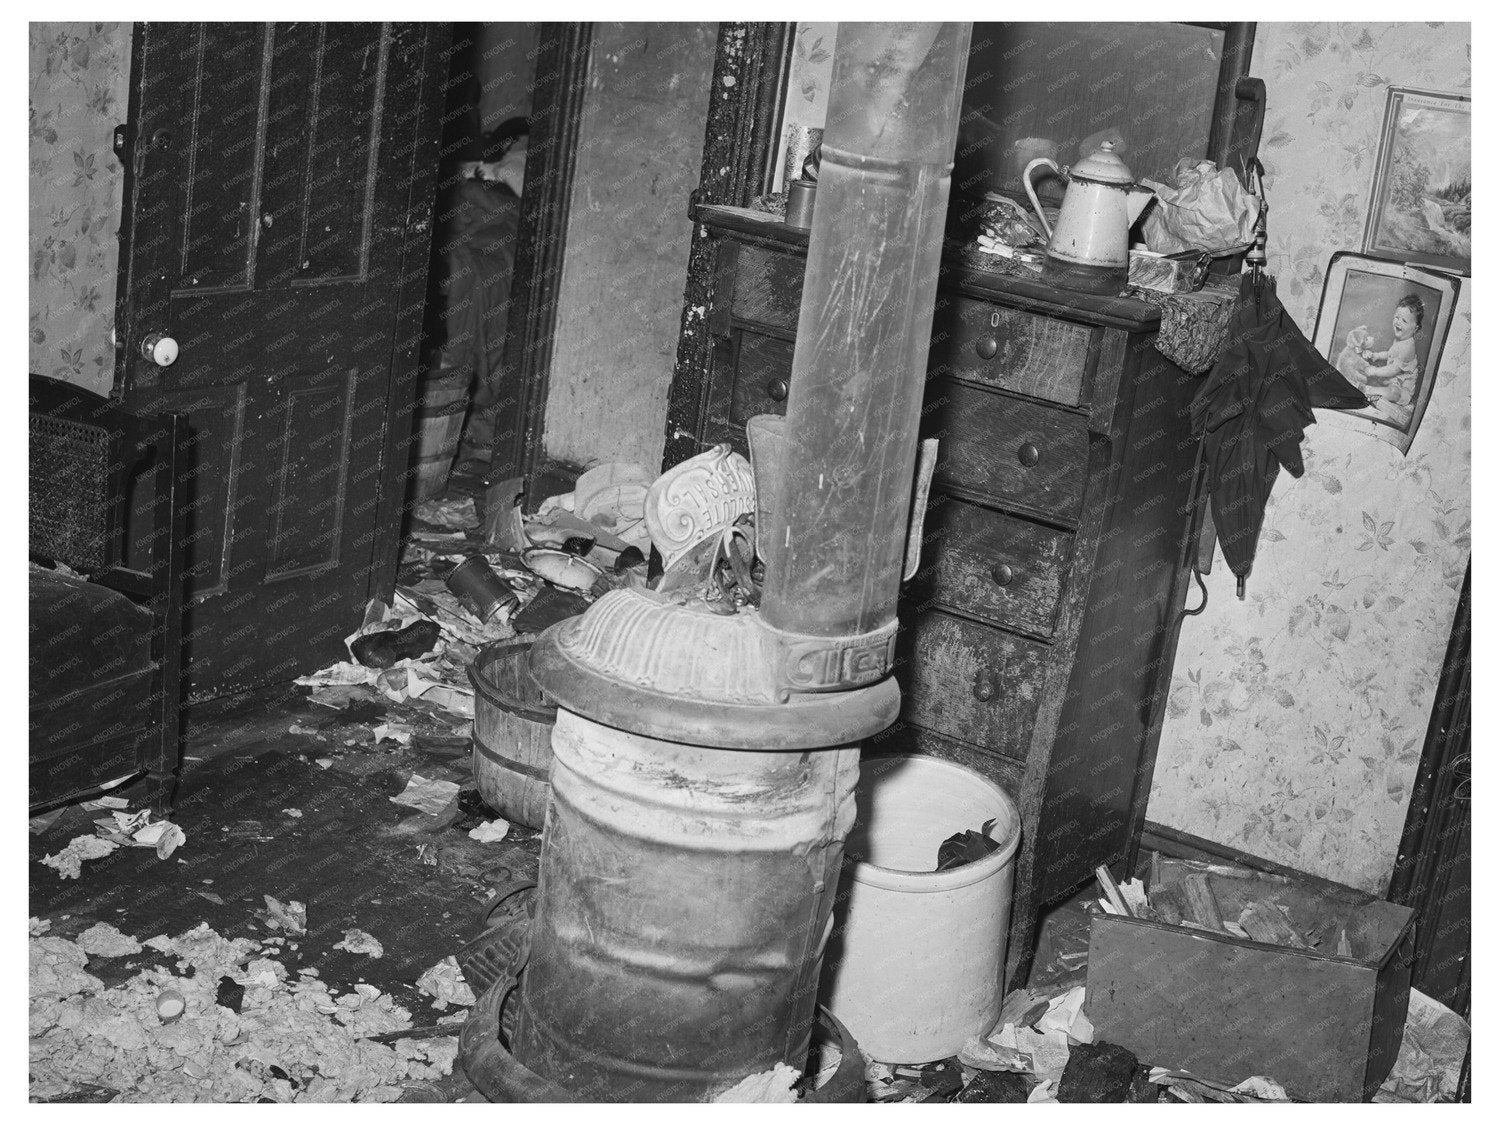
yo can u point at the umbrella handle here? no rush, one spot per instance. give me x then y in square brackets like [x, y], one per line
[1198, 577]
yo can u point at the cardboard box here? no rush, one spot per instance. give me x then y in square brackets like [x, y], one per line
[1326, 1027]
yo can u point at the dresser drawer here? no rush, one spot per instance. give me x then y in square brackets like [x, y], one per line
[1022, 454]
[1010, 349]
[762, 376]
[969, 682]
[993, 566]
[768, 288]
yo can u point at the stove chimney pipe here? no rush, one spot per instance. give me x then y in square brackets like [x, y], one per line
[835, 539]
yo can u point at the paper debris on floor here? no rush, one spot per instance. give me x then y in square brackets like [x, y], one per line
[399, 733]
[100, 803]
[165, 836]
[103, 940]
[292, 1040]
[1044, 1091]
[432, 796]
[445, 982]
[69, 862]
[491, 832]
[1431, 1055]
[44, 821]
[290, 916]
[357, 941]
[1189, 1087]
[772, 1086]
[1033, 1034]
[452, 514]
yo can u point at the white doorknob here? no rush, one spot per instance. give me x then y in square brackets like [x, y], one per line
[159, 349]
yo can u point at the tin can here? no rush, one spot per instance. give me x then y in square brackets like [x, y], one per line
[800, 196]
[481, 590]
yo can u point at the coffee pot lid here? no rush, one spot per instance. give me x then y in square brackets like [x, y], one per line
[1104, 166]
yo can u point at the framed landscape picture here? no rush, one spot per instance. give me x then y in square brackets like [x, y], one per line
[1420, 200]
[1383, 325]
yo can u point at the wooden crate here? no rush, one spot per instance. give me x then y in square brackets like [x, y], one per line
[1326, 1027]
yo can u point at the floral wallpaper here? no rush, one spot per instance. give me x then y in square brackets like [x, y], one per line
[1296, 716]
[806, 101]
[78, 93]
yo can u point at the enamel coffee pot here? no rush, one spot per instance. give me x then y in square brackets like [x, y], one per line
[1089, 248]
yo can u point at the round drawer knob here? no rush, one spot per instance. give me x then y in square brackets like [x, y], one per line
[1029, 455]
[984, 686]
[1003, 574]
[987, 346]
[777, 389]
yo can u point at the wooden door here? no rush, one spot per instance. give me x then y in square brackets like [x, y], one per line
[277, 229]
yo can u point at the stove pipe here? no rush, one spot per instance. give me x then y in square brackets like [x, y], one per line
[835, 542]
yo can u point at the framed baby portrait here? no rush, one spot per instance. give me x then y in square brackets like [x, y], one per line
[1383, 325]
[1420, 198]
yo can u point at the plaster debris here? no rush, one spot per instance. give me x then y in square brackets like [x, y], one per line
[103, 940]
[491, 832]
[445, 982]
[290, 916]
[773, 1086]
[69, 862]
[357, 941]
[38, 926]
[295, 1042]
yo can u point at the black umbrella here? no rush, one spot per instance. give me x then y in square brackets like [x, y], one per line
[1252, 410]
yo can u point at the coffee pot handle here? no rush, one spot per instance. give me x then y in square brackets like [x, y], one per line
[1031, 192]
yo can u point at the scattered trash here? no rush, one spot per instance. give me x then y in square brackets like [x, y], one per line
[289, 916]
[773, 1086]
[99, 803]
[452, 515]
[1097, 1073]
[38, 926]
[246, 1030]
[1191, 1088]
[491, 832]
[399, 733]
[429, 795]
[445, 982]
[966, 847]
[170, 1005]
[481, 591]
[357, 941]
[1431, 1056]
[164, 836]
[295, 814]
[40, 824]
[69, 862]
[103, 940]
[383, 648]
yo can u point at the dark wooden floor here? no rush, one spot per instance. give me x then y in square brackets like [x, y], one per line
[352, 856]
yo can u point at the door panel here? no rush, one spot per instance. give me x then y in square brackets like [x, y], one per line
[279, 209]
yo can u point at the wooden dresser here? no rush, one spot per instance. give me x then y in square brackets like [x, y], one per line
[1037, 641]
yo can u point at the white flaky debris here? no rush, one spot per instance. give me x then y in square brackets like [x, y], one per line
[357, 941]
[103, 940]
[773, 1086]
[490, 832]
[290, 916]
[297, 1041]
[69, 862]
[446, 982]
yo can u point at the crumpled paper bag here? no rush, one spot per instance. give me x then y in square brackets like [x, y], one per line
[1205, 209]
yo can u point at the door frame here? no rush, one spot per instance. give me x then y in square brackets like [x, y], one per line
[562, 67]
